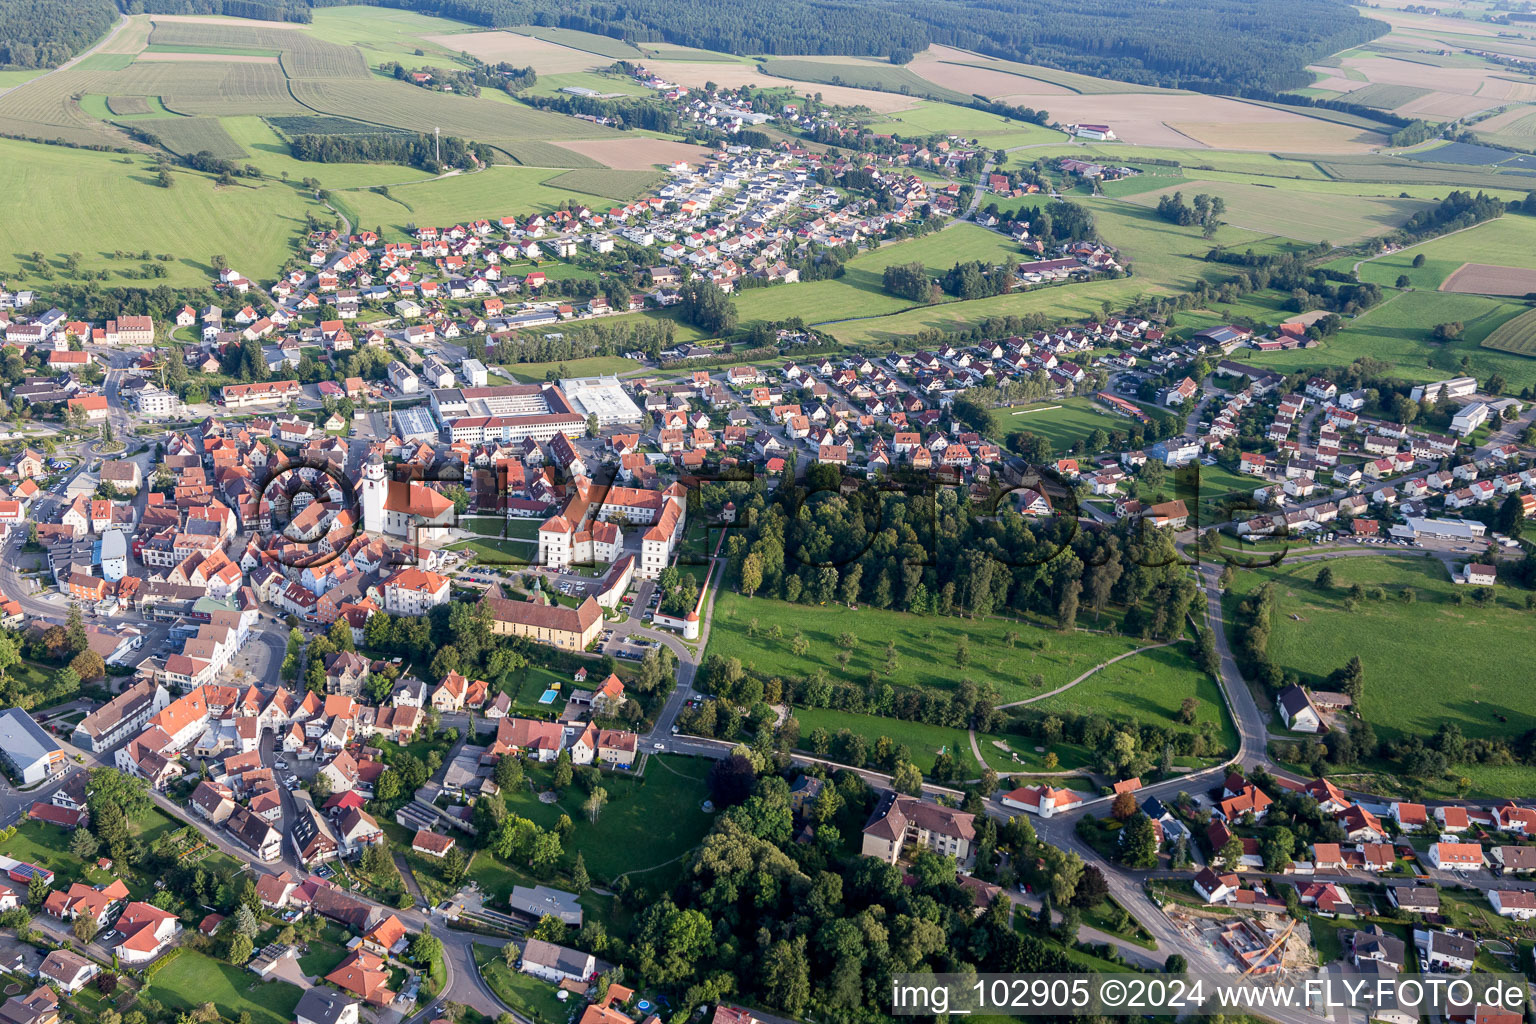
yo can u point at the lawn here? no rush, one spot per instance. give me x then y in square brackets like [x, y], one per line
[325, 953]
[925, 646]
[529, 996]
[1425, 663]
[1150, 687]
[1063, 423]
[193, 979]
[626, 838]
[98, 204]
[1398, 331]
[48, 846]
[500, 526]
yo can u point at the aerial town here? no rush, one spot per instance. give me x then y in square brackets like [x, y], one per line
[612, 524]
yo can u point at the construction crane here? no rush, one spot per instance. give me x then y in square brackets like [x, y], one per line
[1276, 944]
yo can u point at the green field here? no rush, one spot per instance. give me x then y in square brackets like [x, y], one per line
[385, 34]
[884, 77]
[859, 292]
[1425, 663]
[922, 740]
[1306, 216]
[1517, 335]
[991, 130]
[1509, 241]
[626, 839]
[1387, 97]
[1063, 422]
[925, 646]
[532, 997]
[193, 978]
[268, 151]
[96, 203]
[1149, 687]
[855, 308]
[188, 135]
[494, 192]
[606, 182]
[1398, 332]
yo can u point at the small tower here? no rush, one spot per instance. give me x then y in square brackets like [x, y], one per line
[375, 488]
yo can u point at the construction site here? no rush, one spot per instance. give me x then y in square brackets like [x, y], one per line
[1251, 945]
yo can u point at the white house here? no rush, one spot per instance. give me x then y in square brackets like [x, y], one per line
[1297, 710]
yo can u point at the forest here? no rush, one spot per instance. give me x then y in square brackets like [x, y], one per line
[1210, 45]
[420, 151]
[43, 33]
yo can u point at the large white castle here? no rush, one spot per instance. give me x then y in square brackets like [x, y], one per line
[589, 528]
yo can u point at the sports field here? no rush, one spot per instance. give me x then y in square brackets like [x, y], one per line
[1416, 675]
[925, 646]
[1063, 423]
[1517, 335]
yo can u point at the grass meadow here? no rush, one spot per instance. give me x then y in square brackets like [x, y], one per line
[1149, 687]
[193, 978]
[1509, 241]
[1397, 331]
[926, 646]
[1425, 663]
[99, 203]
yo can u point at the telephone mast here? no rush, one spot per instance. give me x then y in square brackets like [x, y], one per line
[437, 144]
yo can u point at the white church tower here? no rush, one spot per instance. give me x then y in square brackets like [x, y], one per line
[375, 489]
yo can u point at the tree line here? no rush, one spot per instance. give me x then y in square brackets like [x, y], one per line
[44, 33]
[414, 150]
[1210, 45]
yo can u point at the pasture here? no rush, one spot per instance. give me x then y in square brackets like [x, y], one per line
[1414, 679]
[1307, 217]
[100, 203]
[925, 646]
[1063, 423]
[1517, 335]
